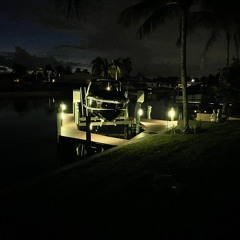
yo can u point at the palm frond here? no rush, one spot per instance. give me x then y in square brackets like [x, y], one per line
[214, 36]
[236, 38]
[133, 14]
[69, 7]
[73, 7]
[201, 19]
[76, 7]
[157, 18]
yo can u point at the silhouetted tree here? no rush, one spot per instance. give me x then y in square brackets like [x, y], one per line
[100, 67]
[154, 13]
[222, 18]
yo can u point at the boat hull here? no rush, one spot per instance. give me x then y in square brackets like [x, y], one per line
[105, 109]
[105, 100]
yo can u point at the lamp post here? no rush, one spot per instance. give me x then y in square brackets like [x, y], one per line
[60, 117]
[63, 107]
[139, 111]
[171, 115]
[139, 114]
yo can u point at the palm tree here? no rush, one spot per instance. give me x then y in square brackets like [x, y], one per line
[126, 67]
[223, 18]
[72, 6]
[116, 68]
[155, 13]
[97, 66]
[100, 67]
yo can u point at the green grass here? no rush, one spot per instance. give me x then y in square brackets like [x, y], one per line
[165, 186]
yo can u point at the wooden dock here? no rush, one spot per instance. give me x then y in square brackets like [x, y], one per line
[69, 129]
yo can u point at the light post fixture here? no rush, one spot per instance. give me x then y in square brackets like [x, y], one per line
[138, 109]
[138, 117]
[63, 107]
[60, 117]
[171, 114]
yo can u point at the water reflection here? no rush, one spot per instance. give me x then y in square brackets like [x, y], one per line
[28, 134]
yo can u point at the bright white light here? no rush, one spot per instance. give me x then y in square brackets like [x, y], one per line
[62, 115]
[171, 113]
[63, 106]
[108, 87]
[193, 80]
[140, 112]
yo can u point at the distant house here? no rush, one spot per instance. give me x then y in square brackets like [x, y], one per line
[81, 77]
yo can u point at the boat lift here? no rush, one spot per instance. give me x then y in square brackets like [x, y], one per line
[85, 120]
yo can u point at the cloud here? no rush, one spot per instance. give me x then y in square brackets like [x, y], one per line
[74, 47]
[94, 32]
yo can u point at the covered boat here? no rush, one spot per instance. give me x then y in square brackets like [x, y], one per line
[106, 99]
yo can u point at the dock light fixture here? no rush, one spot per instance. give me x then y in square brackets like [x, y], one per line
[63, 107]
[171, 113]
[108, 87]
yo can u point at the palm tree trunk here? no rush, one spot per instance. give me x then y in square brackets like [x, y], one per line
[228, 46]
[183, 70]
[116, 73]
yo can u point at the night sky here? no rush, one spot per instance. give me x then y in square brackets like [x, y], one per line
[41, 28]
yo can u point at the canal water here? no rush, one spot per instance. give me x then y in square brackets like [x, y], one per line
[28, 131]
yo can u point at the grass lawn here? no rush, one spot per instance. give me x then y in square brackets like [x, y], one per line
[163, 186]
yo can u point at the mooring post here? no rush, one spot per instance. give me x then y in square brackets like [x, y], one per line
[138, 107]
[149, 111]
[88, 132]
[59, 125]
[126, 130]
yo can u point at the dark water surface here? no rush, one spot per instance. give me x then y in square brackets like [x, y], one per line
[28, 131]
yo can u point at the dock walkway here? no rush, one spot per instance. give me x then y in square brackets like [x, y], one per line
[69, 129]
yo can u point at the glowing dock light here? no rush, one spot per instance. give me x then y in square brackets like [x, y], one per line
[63, 107]
[108, 87]
[171, 114]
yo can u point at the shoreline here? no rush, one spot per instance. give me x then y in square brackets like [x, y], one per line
[15, 94]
